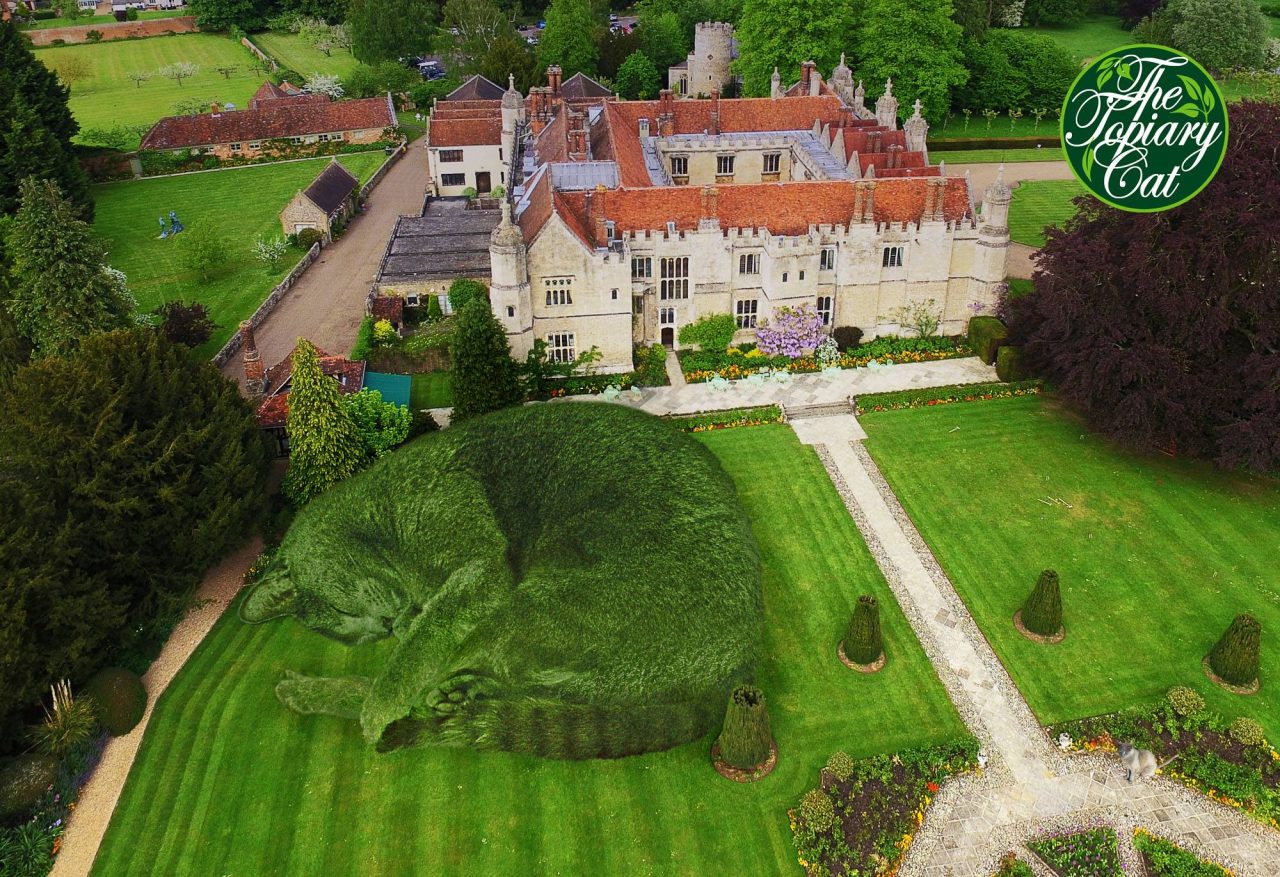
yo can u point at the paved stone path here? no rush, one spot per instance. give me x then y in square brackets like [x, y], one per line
[327, 304]
[88, 823]
[675, 374]
[1028, 788]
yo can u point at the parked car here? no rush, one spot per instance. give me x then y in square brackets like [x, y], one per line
[613, 16]
[431, 70]
[542, 25]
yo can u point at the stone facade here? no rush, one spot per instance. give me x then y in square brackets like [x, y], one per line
[707, 69]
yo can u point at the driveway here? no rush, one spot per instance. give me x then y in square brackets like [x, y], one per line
[327, 303]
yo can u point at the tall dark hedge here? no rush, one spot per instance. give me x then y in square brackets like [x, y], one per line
[484, 374]
[1164, 328]
[746, 737]
[1235, 658]
[1042, 613]
[36, 126]
[862, 641]
[128, 469]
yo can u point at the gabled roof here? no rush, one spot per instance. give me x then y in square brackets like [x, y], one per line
[271, 118]
[579, 85]
[476, 87]
[274, 410]
[465, 132]
[332, 187]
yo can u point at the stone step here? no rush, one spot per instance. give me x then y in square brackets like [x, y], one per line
[819, 409]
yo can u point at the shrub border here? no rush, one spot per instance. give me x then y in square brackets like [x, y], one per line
[705, 421]
[895, 401]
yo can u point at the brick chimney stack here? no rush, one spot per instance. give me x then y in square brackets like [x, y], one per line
[254, 373]
[596, 216]
[666, 113]
[715, 111]
[807, 71]
[553, 78]
[710, 214]
[815, 82]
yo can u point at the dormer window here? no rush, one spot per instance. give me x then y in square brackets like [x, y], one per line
[644, 129]
[611, 230]
[671, 226]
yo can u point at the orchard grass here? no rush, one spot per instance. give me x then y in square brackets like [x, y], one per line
[108, 97]
[1040, 203]
[103, 19]
[1088, 38]
[229, 781]
[292, 52]
[994, 156]
[430, 390]
[953, 128]
[240, 203]
[1155, 555]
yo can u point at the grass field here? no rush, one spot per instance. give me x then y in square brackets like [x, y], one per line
[1156, 555]
[242, 203]
[107, 97]
[228, 782]
[1089, 38]
[953, 128]
[103, 19]
[431, 390]
[295, 53]
[992, 156]
[1038, 203]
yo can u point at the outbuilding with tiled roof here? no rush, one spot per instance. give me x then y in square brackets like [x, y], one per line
[325, 205]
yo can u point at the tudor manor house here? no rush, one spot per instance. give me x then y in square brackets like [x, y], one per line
[622, 221]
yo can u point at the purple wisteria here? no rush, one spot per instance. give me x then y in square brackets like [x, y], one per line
[793, 332]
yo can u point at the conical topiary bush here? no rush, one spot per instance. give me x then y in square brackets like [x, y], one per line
[746, 738]
[1234, 659]
[862, 641]
[1042, 613]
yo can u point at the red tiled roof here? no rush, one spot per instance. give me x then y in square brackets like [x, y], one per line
[538, 210]
[388, 307]
[783, 208]
[465, 132]
[279, 117]
[553, 140]
[349, 372]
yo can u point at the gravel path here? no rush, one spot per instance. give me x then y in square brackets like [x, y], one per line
[327, 304]
[1029, 788]
[87, 825]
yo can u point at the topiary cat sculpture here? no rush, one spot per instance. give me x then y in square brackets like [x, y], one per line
[566, 580]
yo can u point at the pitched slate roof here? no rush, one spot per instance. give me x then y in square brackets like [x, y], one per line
[331, 187]
[476, 87]
[579, 85]
[269, 119]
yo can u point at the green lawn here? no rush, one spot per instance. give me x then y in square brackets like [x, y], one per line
[953, 127]
[293, 52]
[1156, 555]
[107, 97]
[103, 19]
[1038, 203]
[242, 203]
[228, 782]
[1089, 38]
[431, 390]
[992, 156]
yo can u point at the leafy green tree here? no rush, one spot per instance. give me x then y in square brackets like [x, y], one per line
[204, 251]
[1047, 68]
[1220, 34]
[61, 288]
[225, 14]
[863, 643]
[184, 323]
[993, 81]
[710, 332]
[381, 425]
[1042, 613]
[35, 126]
[373, 80]
[746, 738]
[786, 33]
[129, 467]
[1052, 11]
[15, 349]
[509, 55]
[662, 37]
[975, 16]
[1235, 658]
[569, 38]
[638, 79]
[915, 43]
[324, 444]
[616, 47]
[484, 375]
[463, 289]
[388, 30]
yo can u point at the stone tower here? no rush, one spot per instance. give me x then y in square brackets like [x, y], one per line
[842, 82]
[991, 255]
[512, 111]
[709, 61]
[887, 107]
[509, 287]
[775, 84]
[917, 130]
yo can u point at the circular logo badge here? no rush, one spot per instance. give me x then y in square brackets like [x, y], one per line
[1144, 128]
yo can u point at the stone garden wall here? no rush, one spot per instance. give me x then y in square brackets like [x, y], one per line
[119, 30]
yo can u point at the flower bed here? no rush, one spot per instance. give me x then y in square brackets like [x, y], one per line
[588, 384]
[945, 395]
[1235, 768]
[861, 820]
[726, 419]
[1164, 859]
[738, 362]
[1093, 852]
[1012, 866]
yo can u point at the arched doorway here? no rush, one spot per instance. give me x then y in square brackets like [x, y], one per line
[668, 336]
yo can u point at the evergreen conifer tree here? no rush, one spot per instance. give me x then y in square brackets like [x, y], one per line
[862, 640]
[61, 288]
[324, 444]
[29, 149]
[484, 375]
[1235, 658]
[746, 738]
[1042, 613]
